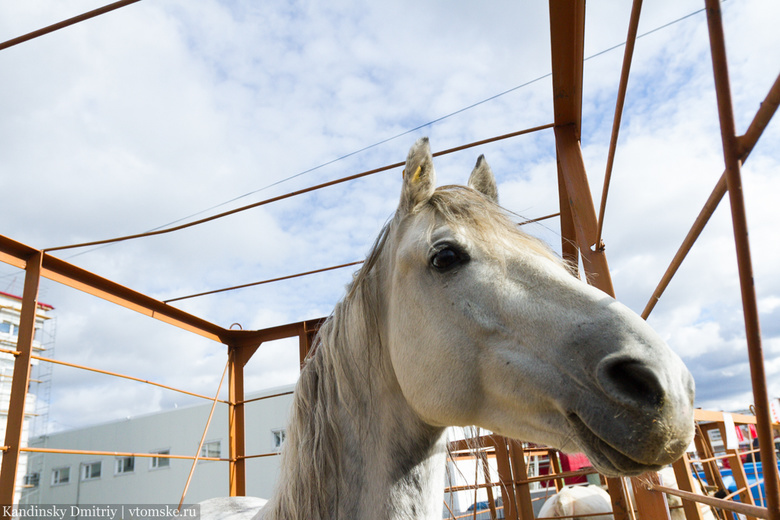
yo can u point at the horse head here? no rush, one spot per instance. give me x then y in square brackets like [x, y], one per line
[484, 325]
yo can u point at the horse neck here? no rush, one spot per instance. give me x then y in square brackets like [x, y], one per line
[354, 448]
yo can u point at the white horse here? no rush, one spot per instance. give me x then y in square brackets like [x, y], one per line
[458, 318]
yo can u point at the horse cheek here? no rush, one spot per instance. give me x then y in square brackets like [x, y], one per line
[432, 368]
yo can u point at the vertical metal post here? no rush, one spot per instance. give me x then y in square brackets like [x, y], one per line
[506, 478]
[731, 155]
[683, 474]
[520, 473]
[21, 379]
[237, 473]
[648, 505]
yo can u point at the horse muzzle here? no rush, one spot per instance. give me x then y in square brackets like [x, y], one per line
[643, 419]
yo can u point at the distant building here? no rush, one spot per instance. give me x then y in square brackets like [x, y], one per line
[88, 479]
[73, 479]
[10, 312]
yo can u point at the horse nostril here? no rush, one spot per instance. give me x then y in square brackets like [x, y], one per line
[629, 378]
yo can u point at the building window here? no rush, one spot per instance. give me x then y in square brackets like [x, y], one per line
[60, 476]
[278, 438]
[123, 465]
[160, 462]
[6, 327]
[211, 449]
[90, 470]
[32, 479]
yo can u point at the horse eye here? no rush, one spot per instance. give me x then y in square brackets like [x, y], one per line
[447, 258]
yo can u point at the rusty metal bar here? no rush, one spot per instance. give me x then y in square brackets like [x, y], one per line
[203, 437]
[650, 505]
[265, 397]
[539, 219]
[683, 474]
[117, 374]
[65, 23]
[236, 425]
[746, 144]
[20, 382]
[731, 155]
[117, 454]
[294, 193]
[633, 25]
[763, 116]
[567, 35]
[522, 489]
[261, 455]
[271, 280]
[736, 507]
[506, 478]
[16, 253]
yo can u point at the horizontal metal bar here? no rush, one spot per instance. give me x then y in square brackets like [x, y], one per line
[118, 454]
[279, 279]
[123, 376]
[736, 507]
[272, 454]
[264, 397]
[16, 253]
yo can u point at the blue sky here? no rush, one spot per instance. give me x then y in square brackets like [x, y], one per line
[166, 108]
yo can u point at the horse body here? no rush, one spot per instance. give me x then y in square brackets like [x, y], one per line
[458, 318]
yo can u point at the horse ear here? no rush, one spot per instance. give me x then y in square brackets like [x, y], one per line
[419, 176]
[482, 180]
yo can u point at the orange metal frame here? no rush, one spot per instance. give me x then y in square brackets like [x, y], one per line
[581, 240]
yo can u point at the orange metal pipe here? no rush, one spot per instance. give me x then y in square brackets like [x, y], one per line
[117, 454]
[65, 23]
[763, 116]
[731, 156]
[123, 376]
[265, 397]
[633, 26]
[236, 425]
[203, 437]
[279, 279]
[19, 385]
[737, 507]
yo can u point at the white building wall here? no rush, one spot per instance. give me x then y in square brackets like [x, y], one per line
[178, 431]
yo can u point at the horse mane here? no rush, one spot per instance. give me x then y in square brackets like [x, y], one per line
[347, 347]
[311, 458]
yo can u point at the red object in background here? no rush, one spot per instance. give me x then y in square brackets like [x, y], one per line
[573, 462]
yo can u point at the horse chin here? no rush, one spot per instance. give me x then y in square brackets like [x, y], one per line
[607, 459]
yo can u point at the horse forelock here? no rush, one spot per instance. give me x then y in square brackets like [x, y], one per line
[484, 221]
